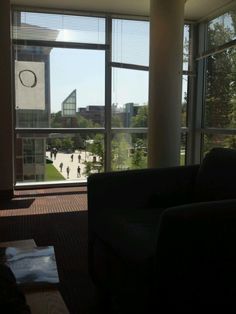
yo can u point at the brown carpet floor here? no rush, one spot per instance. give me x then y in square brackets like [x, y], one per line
[58, 219]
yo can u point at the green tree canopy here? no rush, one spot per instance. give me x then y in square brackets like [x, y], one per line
[141, 119]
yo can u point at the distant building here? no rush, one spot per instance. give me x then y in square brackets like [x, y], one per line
[126, 113]
[130, 111]
[96, 113]
[68, 111]
[68, 106]
[93, 113]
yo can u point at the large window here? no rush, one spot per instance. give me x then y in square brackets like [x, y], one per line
[59, 86]
[219, 97]
[130, 60]
[81, 95]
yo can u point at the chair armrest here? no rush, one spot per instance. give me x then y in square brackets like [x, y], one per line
[143, 188]
[195, 224]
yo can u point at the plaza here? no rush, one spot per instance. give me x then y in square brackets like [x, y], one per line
[65, 158]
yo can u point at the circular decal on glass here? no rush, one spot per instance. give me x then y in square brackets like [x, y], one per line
[28, 78]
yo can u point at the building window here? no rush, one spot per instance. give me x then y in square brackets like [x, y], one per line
[81, 95]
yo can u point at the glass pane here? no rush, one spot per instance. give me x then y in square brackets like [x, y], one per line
[129, 151]
[221, 30]
[47, 157]
[183, 149]
[218, 140]
[186, 48]
[59, 87]
[58, 27]
[184, 107]
[130, 41]
[220, 101]
[129, 98]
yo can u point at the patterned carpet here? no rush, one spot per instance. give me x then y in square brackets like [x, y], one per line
[56, 218]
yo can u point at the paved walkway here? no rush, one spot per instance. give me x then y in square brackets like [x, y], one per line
[73, 165]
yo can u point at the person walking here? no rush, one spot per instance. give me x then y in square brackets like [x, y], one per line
[71, 157]
[54, 153]
[61, 166]
[68, 172]
[79, 158]
[78, 171]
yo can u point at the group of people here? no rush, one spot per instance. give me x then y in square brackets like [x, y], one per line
[72, 158]
[53, 153]
[68, 170]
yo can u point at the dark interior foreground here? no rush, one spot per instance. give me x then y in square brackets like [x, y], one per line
[59, 220]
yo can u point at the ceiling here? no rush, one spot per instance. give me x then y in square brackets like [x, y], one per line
[194, 9]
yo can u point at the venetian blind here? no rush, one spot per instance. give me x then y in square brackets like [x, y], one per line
[58, 27]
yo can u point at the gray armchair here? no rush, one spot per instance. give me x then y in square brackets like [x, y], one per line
[165, 239]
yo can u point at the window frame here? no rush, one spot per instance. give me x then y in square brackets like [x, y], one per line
[201, 59]
[107, 130]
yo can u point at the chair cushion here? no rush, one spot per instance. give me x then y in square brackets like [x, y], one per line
[131, 234]
[216, 177]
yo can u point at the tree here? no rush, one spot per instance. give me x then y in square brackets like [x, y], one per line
[56, 142]
[97, 147]
[120, 149]
[139, 159]
[116, 121]
[220, 84]
[56, 120]
[67, 144]
[85, 123]
[219, 93]
[141, 119]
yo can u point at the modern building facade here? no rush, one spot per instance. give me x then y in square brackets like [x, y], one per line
[93, 113]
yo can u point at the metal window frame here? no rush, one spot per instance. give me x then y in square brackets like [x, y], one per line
[81, 12]
[107, 48]
[58, 44]
[108, 98]
[108, 130]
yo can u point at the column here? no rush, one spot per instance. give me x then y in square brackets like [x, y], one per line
[6, 118]
[165, 82]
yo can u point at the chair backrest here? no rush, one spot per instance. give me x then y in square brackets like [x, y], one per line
[216, 178]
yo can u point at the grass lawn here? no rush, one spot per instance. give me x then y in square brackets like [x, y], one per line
[52, 174]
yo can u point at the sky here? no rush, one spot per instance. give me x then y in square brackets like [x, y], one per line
[84, 70]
